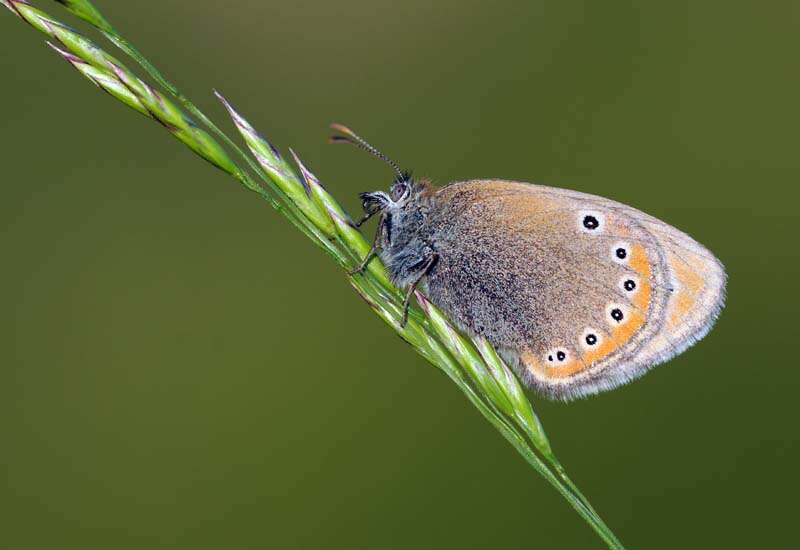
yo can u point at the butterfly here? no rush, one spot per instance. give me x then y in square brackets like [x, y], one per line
[578, 293]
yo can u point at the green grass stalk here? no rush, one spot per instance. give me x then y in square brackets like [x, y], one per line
[473, 365]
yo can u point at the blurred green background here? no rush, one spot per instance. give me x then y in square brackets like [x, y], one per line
[179, 368]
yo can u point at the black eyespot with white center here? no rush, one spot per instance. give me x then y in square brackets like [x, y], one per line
[590, 338]
[621, 253]
[557, 356]
[629, 284]
[616, 314]
[591, 222]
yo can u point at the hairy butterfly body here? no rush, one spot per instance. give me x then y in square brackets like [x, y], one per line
[578, 293]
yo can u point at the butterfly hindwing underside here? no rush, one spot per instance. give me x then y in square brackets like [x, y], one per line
[579, 293]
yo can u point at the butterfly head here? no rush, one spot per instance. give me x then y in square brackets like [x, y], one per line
[403, 213]
[403, 190]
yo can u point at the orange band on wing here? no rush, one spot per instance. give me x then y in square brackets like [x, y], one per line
[539, 368]
[640, 263]
[618, 335]
[636, 318]
[690, 284]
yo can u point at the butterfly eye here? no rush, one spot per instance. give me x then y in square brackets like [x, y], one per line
[399, 190]
[591, 222]
[621, 252]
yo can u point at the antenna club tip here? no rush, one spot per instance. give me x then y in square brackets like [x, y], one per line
[342, 129]
[349, 136]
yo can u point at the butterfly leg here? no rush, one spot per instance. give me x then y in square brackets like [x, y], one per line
[365, 218]
[373, 250]
[425, 270]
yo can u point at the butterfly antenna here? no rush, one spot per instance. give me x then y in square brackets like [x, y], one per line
[349, 136]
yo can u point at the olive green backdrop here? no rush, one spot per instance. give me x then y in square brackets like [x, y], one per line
[179, 368]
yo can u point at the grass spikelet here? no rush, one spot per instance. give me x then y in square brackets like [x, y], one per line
[473, 365]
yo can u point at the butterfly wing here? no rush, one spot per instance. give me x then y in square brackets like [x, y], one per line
[579, 293]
